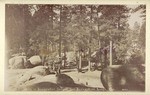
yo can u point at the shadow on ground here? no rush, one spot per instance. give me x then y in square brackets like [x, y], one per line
[48, 86]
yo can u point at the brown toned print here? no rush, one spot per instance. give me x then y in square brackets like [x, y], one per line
[75, 47]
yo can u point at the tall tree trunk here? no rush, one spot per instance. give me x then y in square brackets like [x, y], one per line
[90, 40]
[79, 61]
[64, 57]
[74, 48]
[80, 57]
[118, 24]
[98, 30]
[46, 39]
[110, 52]
[51, 9]
[60, 30]
[99, 40]
[105, 58]
[60, 40]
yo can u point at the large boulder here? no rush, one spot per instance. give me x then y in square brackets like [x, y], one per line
[64, 80]
[17, 62]
[123, 77]
[33, 61]
[33, 73]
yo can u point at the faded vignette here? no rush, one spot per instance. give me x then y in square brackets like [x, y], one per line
[2, 48]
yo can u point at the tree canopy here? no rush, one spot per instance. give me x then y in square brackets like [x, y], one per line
[52, 29]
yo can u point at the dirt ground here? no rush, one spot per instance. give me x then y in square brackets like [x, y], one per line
[87, 81]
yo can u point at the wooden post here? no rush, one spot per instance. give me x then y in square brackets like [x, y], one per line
[110, 52]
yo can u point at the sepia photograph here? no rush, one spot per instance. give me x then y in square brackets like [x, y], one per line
[75, 47]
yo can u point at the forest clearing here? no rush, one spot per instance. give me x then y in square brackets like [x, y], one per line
[54, 47]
